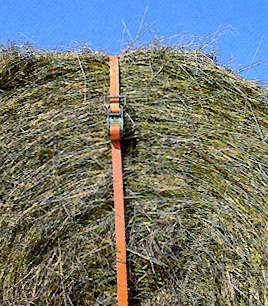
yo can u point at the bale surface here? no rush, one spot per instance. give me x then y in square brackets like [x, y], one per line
[195, 175]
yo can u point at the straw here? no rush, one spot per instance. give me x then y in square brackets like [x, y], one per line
[195, 175]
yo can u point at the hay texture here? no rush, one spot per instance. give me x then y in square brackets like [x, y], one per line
[195, 175]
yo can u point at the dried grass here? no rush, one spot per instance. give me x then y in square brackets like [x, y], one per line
[195, 173]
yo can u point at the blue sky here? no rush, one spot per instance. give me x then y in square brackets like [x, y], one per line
[102, 24]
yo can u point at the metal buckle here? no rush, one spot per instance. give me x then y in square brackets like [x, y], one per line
[116, 117]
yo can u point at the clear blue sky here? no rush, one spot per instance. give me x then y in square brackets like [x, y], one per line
[100, 23]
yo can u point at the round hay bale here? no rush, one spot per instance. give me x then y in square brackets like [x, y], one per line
[195, 175]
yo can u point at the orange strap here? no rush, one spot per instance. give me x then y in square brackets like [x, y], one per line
[121, 257]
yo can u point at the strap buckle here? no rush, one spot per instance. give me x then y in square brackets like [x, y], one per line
[115, 116]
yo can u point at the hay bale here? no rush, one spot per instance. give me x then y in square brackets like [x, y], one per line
[195, 160]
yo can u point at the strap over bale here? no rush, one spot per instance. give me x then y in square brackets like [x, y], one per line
[195, 176]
